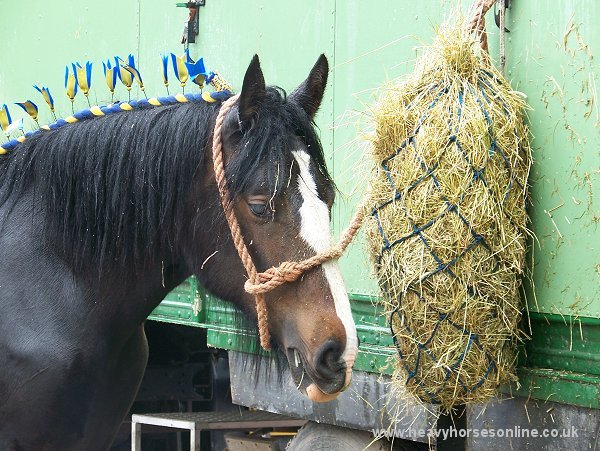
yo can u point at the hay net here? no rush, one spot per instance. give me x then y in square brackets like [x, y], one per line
[448, 222]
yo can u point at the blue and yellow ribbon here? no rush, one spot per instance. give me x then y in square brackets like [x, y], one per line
[125, 76]
[84, 77]
[110, 74]
[197, 72]
[45, 92]
[5, 119]
[135, 73]
[78, 77]
[222, 89]
[165, 63]
[180, 69]
[30, 108]
[70, 85]
[219, 83]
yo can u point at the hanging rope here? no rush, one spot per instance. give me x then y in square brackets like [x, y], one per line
[260, 283]
[477, 23]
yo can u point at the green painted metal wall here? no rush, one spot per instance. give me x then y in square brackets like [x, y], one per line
[550, 57]
[550, 53]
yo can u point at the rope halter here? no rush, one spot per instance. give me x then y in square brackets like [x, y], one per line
[260, 283]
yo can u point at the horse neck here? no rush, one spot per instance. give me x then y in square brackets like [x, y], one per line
[137, 296]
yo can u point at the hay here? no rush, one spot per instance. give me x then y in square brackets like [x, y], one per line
[448, 227]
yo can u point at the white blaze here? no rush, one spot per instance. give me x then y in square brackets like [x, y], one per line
[315, 230]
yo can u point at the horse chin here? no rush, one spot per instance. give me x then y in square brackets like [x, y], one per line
[314, 393]
[304, 382]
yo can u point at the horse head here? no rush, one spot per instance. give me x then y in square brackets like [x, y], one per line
[282, 196]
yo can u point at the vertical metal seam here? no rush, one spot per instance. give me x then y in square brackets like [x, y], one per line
[139, 31]
[336, 211]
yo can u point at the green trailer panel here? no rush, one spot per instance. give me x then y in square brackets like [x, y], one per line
[550, 51]
[550, 54]
[560, 363]
[184, 305]
[227, 330]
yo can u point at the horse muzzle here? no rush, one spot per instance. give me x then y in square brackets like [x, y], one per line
[322, 377]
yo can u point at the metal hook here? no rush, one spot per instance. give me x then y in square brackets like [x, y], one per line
[191, 28]
[497, 14]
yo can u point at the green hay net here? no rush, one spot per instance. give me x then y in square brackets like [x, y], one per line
[448, 222]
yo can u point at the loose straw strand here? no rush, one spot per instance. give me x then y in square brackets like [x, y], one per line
[260, 283]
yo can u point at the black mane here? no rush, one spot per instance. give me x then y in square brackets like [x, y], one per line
[115, 187]
[110, 187]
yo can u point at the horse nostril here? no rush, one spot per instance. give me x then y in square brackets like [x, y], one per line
[329, 359]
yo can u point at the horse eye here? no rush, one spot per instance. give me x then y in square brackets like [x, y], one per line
[258, 209]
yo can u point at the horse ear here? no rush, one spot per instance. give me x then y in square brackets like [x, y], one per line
[310, 93]
[253, 92]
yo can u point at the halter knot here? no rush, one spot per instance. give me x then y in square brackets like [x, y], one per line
[275, 277]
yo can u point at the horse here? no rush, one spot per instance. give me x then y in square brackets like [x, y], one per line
[100, 219]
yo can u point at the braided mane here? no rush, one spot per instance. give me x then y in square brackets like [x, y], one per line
[113, 186]
[99, 111]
